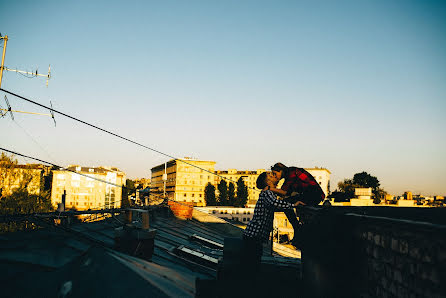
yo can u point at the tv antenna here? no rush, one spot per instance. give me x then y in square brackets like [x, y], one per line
[28, 73]
[4, 112]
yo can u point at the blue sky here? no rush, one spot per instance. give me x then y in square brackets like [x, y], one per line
[348, 85]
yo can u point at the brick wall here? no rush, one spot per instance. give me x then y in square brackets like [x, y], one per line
[367, 252]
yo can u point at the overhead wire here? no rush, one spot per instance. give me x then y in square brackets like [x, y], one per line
[117, 135]
[104, 181]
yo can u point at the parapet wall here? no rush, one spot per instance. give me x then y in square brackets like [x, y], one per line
[374, 252]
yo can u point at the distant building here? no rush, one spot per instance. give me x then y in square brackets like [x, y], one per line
[85, 193]
[408, 195]
[322, 176]
[143, 182]
[249, 177]
[15, 176]
[185, 183]
[243, 215]
[185, 179]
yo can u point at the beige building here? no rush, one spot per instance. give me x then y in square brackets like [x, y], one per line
[184, 179]
[14, 176]
[322, 176]
[85, 193]
[249, 177]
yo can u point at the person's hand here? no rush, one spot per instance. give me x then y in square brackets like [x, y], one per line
[299, 203]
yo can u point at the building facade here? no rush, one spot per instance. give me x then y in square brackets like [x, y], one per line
[14, 176]
[83, 193]
[184, 179]
[322, 176]
[249, 177]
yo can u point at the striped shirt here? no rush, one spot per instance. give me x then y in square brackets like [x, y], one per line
[262, 221]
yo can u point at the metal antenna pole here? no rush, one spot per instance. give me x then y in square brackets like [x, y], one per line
[5, 41]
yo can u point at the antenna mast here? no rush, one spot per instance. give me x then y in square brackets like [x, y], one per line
[3, 67]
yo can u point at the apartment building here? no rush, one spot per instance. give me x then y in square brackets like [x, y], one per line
[14, 176]
[85, 192]
[183, 180]
[249, 177]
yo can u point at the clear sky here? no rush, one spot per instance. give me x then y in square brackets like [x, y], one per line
[347, 85]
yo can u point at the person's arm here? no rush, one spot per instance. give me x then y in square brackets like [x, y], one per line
[272, 201]
[277, 191]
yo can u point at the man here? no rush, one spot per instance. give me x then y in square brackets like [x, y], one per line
[258, 229]
[299, 185]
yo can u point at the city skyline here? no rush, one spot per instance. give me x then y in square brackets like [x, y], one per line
[349, 86]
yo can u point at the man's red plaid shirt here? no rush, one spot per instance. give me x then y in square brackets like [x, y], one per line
[299, 180]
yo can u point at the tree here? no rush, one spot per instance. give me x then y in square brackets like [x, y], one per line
[362, 180]
[209, 195]
[347, 187]
[231, 194]
[222, 199]
[242, 193]
[15, 198]
[127, 192]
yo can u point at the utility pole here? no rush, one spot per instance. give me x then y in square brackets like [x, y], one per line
[5, 41]
[3, 67]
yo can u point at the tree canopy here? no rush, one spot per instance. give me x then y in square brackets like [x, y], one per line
[242, 193]
[360, 180]
[222, 199]
[209, 195]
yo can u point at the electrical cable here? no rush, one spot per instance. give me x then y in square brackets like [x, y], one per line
[116, 135]
[104, 181]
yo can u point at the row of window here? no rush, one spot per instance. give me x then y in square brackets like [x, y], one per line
[193, 195]
[232, 212]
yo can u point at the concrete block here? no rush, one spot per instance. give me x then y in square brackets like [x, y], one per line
[414, 252]
[404, 247]
[441, 255]
[377, 239]
[376, 252]
[434, 276]
[393, 289]
[397, 276]
[402, 292]
[426, 257]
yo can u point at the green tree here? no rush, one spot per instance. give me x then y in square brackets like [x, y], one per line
[209, 195]
[362, 180]
[242, 193]
[127, 192]
[231, 194]
[222, 199]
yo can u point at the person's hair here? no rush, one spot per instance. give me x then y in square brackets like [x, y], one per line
[278, 167]
[261, 181]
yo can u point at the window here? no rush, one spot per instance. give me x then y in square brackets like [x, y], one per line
[184, 195]
[193, 195]
[201, 195]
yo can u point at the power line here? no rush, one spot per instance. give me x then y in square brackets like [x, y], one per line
[97, 179]
[116, 135]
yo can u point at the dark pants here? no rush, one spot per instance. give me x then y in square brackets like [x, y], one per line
[252, 249]
[310, 198]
